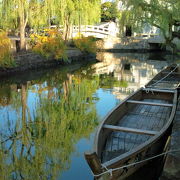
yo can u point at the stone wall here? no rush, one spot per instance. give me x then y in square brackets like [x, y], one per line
[128, 43]
[30, 61]
[123, 43]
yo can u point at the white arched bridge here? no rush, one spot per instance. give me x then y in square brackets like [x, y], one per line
[102, 30]
[110, 30]
[96, 31]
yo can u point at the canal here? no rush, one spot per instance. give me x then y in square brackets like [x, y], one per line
[48, 118]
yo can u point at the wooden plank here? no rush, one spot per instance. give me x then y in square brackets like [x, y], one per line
[130, 130]
[157, 90]
[94, 162]
[150, 103]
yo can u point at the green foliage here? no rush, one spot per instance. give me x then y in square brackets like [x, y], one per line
[17, 14]
[31, 12]
[50, 46]
[6, 58]
[109, 11]
[163, 14]
[86, 44]
[77, 11]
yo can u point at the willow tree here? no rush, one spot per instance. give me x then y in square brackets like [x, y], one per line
[163, 14]
[89, 11]
[109, 11]
[15, 11]
[76, 12]
[16, 14]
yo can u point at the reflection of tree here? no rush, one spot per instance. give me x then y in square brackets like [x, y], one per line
[5, 95]
[109, 81]
[39, 147]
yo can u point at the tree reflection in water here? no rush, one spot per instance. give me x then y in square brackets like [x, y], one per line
[38, 144]
[43, 119]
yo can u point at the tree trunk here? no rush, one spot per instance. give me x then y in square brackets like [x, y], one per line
[22, 37]
[23, 18]
[67, 26]
[65, 29]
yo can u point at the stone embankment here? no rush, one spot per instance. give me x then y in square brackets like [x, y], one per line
[171, 169]
[131, 44]
[30, 61]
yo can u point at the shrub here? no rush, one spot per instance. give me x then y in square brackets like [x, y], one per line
[86, 44]
[6, 58]
[50, 45]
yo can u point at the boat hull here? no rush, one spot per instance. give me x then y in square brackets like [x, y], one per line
[111, 168]
[168, 78]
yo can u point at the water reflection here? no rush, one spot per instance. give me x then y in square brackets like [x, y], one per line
[46, 119]
[132, 70]
[37, 143]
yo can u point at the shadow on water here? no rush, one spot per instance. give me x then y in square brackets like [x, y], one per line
[48, 117]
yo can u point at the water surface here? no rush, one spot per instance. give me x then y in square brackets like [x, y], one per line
[48, 118]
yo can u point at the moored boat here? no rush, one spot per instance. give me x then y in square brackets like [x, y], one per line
[133, 131]
[168, 78]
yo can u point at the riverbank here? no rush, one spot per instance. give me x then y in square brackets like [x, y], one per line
[134, 45]
[31, 61]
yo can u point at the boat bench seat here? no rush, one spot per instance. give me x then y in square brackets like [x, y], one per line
[150, 103]
[130, 130]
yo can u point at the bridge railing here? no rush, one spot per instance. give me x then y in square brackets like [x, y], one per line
[90, 28]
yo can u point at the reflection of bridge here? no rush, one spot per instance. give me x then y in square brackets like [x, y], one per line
[134, 70]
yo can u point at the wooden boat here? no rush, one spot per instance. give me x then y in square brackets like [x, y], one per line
[168, 78]
[133, 131]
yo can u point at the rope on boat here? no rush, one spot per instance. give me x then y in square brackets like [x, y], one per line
[148, 90]
[110, 171]
[165, 76]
